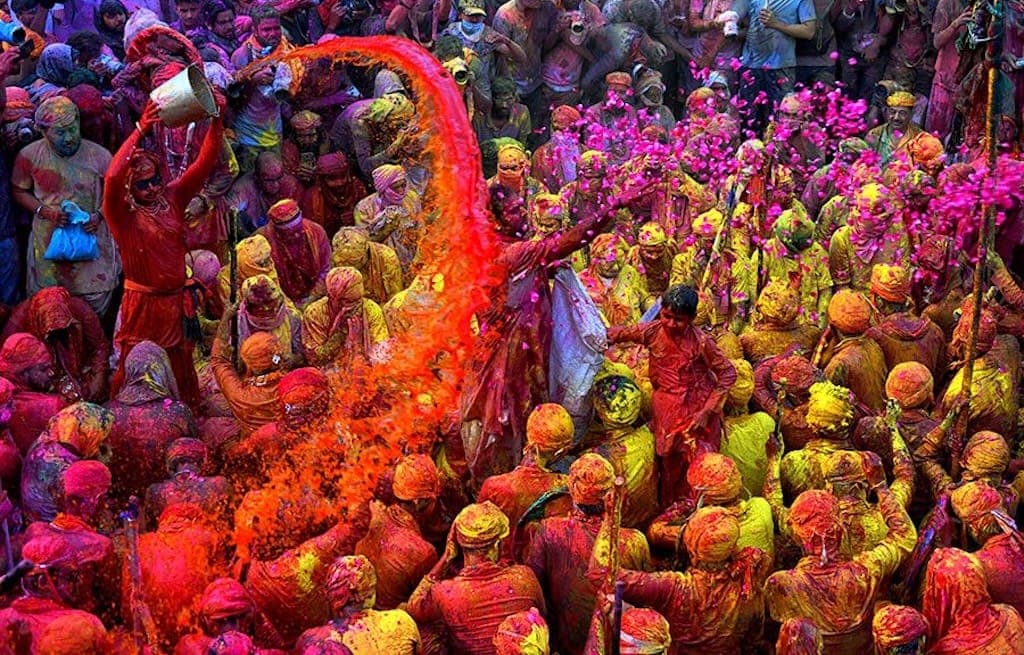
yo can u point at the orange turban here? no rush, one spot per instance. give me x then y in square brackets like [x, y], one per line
[986, 332]
[351, 580]
[891, 283]
[618, 77]
[799, 636]
[829, 407]
[910, 384]
[778, 303]
[986, 453]
[644, 631]
[711, 534]
[743, 388]
[224, 598]
[283, 211]
[69, 633]
[261, 352]
[897, 625]
[86, 479]
[717, 477]
[83, 426]
[481, 524]
[849, 312]
[814, 512]
[522, 633]
[925, 150]
[607, 247]
[975, 501]
[796, 371]
[564, 117]
[416, 478]
[549, 428]
[590, 478]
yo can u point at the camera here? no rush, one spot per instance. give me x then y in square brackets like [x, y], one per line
[577, 27]
[357, 7]
[459, 70]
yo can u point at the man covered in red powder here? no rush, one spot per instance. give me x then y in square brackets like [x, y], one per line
[560, 549]
[27, 364]
[186, 464]
[472, 604]
[51, 594]
[399, 553]
[300, 249]
[145, 209]
[691, 378]
[549, 433]
[85, 484]
[72, 333]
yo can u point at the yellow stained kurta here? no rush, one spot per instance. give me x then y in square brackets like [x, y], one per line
[808, 272]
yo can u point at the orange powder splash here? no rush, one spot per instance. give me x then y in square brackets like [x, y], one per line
[380, 413]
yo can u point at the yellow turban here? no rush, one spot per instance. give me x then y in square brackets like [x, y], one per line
[708, 223]
[711, 534]
[845, 466]
[392, 108]
[743, 388]
[901, 99]
[986, 453]
[829, 407]
[349, 246]
[891, 283]
[849, 312]
[590, 478]
[254, 257]
[480, 525]
[910, 384]
[549, 428]
[651, 234]
[778, 303]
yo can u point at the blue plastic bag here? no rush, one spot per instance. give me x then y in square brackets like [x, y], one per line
[72, 243]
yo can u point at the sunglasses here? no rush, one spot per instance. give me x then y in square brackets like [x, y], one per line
[142, 185]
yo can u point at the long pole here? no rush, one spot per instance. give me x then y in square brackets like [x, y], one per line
[993, 53]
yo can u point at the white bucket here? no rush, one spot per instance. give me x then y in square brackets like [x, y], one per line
[185, 98]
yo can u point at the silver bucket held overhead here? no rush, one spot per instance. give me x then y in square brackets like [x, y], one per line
[185, 98]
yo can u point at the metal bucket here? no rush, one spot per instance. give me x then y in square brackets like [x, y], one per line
[185, 98]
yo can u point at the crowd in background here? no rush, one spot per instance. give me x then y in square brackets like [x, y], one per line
[751, 384]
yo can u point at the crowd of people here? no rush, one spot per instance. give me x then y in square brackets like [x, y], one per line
[747, 380]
